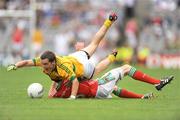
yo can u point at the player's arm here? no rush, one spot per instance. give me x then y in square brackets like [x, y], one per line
[23, 63]
[100, 34]
[75, 87]
[102, 65]
[52, 90]
[65, 70]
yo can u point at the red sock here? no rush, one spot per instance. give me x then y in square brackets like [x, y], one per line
[128, 94]
[138, 75]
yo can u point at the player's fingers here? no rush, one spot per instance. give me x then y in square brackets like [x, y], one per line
[11, 67]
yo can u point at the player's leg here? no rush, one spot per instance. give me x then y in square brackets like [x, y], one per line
[107, 85]
[135, 74]
[107, 82]
[103, 64]
[91, 48]
[124, 93]
[88, 67]
[139, 75]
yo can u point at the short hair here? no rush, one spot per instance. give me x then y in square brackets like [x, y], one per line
[48, 55]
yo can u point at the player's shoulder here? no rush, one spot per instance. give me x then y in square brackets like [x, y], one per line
[36, 61]
[63, 60]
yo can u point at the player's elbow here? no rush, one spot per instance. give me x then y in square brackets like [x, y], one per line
[25, 62]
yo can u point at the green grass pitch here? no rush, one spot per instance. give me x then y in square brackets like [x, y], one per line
[16, 105]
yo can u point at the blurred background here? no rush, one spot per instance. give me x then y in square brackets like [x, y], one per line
[147, 31]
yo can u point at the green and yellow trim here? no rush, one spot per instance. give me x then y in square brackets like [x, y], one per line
[34, 61]
[72, 77]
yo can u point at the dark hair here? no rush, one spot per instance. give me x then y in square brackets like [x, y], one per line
[48, 55]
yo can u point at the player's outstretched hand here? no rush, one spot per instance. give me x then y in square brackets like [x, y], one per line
[113, 16]
[11, 67]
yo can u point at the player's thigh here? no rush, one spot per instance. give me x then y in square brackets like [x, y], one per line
[90, 49]
[106, 89]
[114, 74]
[88, 66]
[80, 55]
[108, 81]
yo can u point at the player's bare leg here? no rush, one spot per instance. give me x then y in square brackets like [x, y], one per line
[102, 65]
[91, 48]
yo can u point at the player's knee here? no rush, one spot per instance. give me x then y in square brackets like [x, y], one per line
[126, 68]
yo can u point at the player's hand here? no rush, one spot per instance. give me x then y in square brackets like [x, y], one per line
[113, 17]
[72, 97]
[11, 67]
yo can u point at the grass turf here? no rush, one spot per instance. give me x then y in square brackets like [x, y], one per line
[16, 105]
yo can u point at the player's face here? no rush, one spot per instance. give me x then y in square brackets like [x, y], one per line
[47, 66]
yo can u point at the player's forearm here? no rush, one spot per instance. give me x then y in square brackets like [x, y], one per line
[75, 86]
[20, 64]
[24, 63]
[52, 90]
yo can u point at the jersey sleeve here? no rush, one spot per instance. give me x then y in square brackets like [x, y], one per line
[36, 61]
[66, 71]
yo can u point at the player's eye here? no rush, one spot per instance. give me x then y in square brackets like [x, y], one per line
[45, 63]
